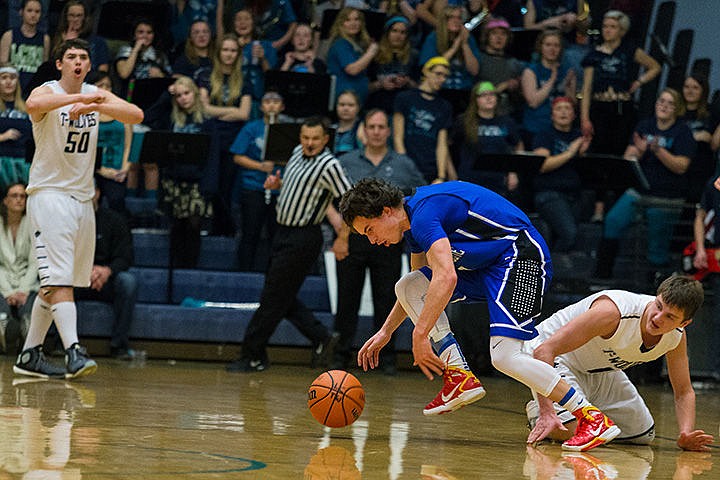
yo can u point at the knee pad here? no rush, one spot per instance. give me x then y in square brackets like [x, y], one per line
[507, 356]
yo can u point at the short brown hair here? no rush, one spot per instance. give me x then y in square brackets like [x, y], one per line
[682, 292]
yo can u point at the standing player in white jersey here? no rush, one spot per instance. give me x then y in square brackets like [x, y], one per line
[593, 340]
[65, 118]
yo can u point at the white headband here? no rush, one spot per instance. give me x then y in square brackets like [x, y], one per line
[12, 70]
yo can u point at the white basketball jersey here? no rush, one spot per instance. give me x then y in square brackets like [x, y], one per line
[65, 150]
[624, 349]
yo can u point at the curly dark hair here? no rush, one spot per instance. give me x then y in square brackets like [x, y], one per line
[368, 198]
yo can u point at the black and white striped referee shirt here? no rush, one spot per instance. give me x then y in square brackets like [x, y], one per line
[309, 184]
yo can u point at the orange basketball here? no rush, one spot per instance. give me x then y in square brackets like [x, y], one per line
[336, 398]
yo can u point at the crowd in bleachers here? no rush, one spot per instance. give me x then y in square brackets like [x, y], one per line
[529, 77]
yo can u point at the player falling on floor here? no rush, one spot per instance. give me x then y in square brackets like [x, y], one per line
[593, 340]
[467, 244]
[65, 118]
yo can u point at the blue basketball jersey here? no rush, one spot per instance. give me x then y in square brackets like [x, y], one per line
[479, 223]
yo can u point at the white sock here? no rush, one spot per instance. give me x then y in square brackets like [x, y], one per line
[65, 316]
[40, 320]
[411, 290]
[573, 401]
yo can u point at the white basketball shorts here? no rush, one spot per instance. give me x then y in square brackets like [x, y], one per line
[64, 238]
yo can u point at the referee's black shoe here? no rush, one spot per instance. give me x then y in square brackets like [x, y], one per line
[322, 352]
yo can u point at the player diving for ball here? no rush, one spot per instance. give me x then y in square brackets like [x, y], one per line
[592, 341]
[467, 244]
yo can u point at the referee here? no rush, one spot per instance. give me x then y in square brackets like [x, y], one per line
[313, 177]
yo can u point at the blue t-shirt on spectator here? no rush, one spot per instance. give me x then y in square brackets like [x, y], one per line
[341, 54]
[614, 70]
[459, 78]
[678, 140]
[537, 119]
[562, 179]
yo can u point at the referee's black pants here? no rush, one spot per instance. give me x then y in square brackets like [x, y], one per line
[385, 266]
[294, 251]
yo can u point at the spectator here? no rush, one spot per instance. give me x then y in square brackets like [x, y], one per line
[14, 14]
[706, 232]
[452, 41]
[351, 51]
[557, 187]
[18, 268]
[544, 80]
[227, 98]
[275, 20]
[559, 14]
[346, 129]
[607, 113]
[26, 46]
[481, 131]
[421, 123]
[313, 177]
[185, 12]
[15, 129]
[110, 281]
[354, 253]
[198, 52]
[257, 204]
[431, 11]
[186, 189]
[705, 130]
[302, 56]
[142, 58]
[259, 56]
[114, 140]
[498, 68]
[76, 22]
[664, 147]
[394, 69]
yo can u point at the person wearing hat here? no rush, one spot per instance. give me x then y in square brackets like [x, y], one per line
[394, 67]
[479, 131]
[557, 187]
[421, 123]
[257, 205]
[497, 67]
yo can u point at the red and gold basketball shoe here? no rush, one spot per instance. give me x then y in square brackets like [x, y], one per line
[593, 429]
[460, 388]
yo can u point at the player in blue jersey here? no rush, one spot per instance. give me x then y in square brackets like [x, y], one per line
[467, 244]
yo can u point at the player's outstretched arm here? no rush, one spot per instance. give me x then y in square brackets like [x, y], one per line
[679, 374]
[369, 354]
[119, 109]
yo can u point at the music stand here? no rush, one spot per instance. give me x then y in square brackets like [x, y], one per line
[524, 164]
[146, 91]
[282, 138]
[609, 172]
[297, 87]
[374, 23]
[168, 148]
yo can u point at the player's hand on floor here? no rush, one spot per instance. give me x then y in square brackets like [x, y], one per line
[696, 441]
[544, 426]
[425, 358]
[369, 354]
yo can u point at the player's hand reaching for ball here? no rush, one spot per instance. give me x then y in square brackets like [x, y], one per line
[369, 354]
[544, 426]
[425, 358]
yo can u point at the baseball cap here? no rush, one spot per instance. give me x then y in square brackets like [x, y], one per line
[484, 87]
[497, 23]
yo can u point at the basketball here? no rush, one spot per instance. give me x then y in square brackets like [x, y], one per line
[336, 398]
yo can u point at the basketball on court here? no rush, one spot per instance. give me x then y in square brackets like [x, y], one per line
[336, 398]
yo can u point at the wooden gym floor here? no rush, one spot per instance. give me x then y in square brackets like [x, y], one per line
[191, 420]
